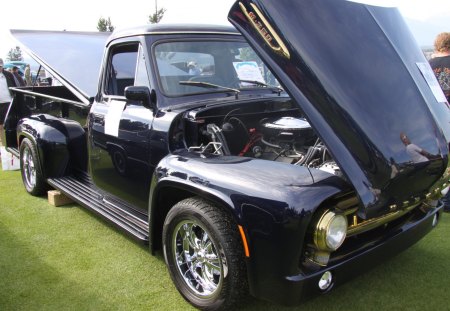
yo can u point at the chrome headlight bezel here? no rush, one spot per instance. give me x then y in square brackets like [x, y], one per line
[330, 226]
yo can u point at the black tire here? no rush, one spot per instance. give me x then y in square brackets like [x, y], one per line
[221, 248]
[32, 177]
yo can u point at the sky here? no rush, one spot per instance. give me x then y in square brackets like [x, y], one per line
[426, 18]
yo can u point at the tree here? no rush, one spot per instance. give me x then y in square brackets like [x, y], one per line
[104, 25]
[156, 17]
[15, 54]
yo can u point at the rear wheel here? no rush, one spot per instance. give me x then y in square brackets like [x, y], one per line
[29, 166]
[204, 254]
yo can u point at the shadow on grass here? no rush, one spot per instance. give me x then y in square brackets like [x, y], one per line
[27, 275]
[397, 284]
[111, 226]
[90, 267]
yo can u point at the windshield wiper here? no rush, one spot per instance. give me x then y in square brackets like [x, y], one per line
[210, 85]
[279, 89]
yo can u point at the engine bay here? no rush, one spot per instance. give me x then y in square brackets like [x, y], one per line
[274, 131]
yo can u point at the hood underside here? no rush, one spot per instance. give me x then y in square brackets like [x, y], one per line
[364, 86]
[74, 58]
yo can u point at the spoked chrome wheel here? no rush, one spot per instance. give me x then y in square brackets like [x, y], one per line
[28, 168]
[197, 259]
[32, 177]
[204, 254]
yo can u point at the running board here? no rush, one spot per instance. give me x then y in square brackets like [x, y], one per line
[14, 151]
[83, 191]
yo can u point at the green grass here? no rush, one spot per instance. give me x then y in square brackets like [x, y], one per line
[64, 258]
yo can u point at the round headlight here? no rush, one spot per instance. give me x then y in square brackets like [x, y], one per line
[331, 231]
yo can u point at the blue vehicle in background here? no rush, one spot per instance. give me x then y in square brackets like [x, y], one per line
[21, 65]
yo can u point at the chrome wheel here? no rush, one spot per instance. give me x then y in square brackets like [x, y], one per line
[197, 259]
[32, 176]
[204, 254]
[29, 170]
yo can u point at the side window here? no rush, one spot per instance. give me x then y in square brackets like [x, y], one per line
[121, 68]
[141, 70]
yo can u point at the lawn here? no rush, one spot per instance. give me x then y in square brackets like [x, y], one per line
[64, 258]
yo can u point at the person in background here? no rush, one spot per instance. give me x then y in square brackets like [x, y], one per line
[6, 81]
[17, 78]
[28, 75]
[440, 63]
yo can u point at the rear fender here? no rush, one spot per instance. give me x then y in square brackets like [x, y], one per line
[57, 141]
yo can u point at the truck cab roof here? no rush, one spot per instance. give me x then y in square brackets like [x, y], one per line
[156, 29]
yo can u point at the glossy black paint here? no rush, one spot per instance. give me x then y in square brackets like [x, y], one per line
[57, 142]
[120, 165]
[355, 77]
[56, 101]
[53, 124]
[147, 167]
[141, 94]
[298, 287]
[237, 181]
[273, 202]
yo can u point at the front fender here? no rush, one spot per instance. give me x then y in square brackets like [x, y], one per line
[273, 201]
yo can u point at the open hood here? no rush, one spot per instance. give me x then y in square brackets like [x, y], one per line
[74, 58]
[365, 87]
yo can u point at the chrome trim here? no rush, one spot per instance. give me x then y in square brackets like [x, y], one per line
[347, 202]
[321, 230]
[201, 265]
[18, 90]
[369, 224]
[265, 30]
[199, 32]
[319, 257]
[28, 168]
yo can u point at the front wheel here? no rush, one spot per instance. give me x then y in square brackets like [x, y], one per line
[32, 177]
[204, 255]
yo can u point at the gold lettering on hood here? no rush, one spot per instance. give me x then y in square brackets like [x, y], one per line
[260, 23]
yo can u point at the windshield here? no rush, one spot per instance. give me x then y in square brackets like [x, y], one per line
[193, 67]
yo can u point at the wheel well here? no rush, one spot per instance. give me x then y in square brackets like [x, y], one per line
[21, 137]
[166, 199]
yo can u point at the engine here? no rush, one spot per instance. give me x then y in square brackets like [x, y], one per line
[284, 139]
[288, 139]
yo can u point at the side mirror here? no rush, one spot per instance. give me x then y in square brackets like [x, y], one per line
[142, 94]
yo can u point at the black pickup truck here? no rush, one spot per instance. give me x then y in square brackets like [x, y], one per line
[279, 157]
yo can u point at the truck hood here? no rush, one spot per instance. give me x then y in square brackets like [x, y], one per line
[366, 88]
[74, 58]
